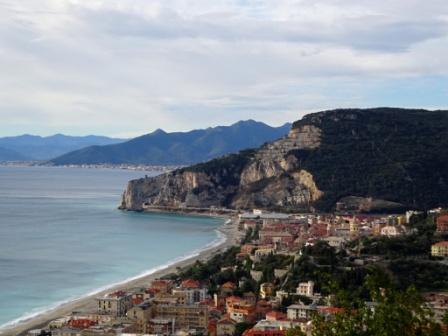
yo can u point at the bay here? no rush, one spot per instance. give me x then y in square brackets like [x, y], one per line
[61, 236]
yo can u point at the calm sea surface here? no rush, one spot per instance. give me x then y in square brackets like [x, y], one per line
[62, 237]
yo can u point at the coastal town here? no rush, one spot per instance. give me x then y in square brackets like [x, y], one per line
[278, 279]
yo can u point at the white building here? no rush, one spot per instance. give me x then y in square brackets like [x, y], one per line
[300, 311]
[392, 231]
[306, 289]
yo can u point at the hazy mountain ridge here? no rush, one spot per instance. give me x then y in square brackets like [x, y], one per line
[10, 155]
[33, 147]
[178, 148]
[370, 159]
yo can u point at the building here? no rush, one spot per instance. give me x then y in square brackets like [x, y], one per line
[276, 324]
[66, 331]
[140, 314]
[392, 231]
[266, 290]
[256, 332]
[262, 253]
[184, 317]
[225, 327]
[300, 311]
[336, 242]
[158, 326]
[440, 249]
[81, 323]
[280, 239]
[115, 304]
[190, 292]
[228, 288]
[161, 286]
[306, 289]
[240, 310]
[442, 223]
[275, 316]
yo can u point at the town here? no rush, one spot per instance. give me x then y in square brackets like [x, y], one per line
[285, 278]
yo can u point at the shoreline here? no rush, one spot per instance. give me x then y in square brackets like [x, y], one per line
[131, 167]
[230, 237]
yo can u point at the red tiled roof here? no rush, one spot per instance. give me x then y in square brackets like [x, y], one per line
[233, 299]
[159, 282]
[226, 321]
[81, 323]
[441, 244]
[254, 332]
[229, 285]
[190, 283]
[442, 218]
[275, 315]
[331, 310]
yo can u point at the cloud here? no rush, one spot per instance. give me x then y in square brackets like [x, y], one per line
[131, 66]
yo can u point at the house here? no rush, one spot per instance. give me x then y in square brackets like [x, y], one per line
[140, 314]
[250, 298]
[240, 310]
[159, 326]
[247, 248]
[227, 288]
[162, 286]
[392, 231]
[262, 308]
[276, 324]
[183, 316]
[114, 304]
[275, 316]
[276, 237]
[262, 253]
[266, 290]
[225, 327]
[190, 292]
[81, 323]
[336, 242]
[440, 249]
[329, 312]
[300, 311]
[306, 289]
[442, 223]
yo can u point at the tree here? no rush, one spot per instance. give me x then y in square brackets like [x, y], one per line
[392, 313]
[296, 331]
[241, 327]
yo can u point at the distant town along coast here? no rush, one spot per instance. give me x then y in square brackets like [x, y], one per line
[283, 274]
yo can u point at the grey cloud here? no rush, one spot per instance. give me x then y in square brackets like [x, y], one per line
[373, 32]
[114, 67]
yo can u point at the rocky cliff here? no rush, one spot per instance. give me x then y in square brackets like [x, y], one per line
[382, 158]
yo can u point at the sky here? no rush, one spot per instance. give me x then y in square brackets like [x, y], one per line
[127, 67]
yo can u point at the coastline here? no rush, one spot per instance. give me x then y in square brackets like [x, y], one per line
[230, 237]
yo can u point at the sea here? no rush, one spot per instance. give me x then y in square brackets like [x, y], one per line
[62, 237]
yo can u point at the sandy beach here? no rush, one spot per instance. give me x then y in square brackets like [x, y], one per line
[87, 304]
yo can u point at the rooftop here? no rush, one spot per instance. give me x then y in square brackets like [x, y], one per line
[190, 283]
[441, 244]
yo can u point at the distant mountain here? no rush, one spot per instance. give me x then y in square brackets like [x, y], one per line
[10, 155]
[382, 159]
[178, 148]
[34, 147]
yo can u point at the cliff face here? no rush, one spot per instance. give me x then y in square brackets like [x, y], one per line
[382, 158]
[268, 177]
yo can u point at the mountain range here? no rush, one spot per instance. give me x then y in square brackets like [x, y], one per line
[34, 148]
[178, 148]
[382, 159]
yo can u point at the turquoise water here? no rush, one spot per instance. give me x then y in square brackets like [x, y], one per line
[62, 237]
